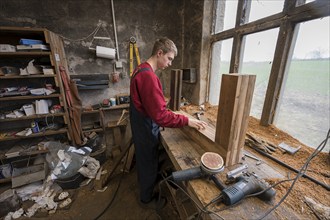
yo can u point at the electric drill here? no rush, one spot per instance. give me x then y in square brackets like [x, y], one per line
[247, 185]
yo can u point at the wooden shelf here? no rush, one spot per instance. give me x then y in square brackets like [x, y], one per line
[28, 76]
[6, 180]
[26, 97]
[116, 107]
[25, 54]
[113, 124]
[32, 117]
[22, 30]
[34, 135]
[54, 58]
[93, 130]
[27, 153]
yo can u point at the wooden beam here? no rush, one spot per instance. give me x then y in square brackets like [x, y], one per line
[243, 11]
[236, 54]
[175, 91]
[283, 47]
[234, 109]
[305, 12]
[313, 10]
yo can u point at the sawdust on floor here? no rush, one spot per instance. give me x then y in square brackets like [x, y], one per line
[318, 167]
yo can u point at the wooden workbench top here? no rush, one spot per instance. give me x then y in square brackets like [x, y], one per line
[185, 153]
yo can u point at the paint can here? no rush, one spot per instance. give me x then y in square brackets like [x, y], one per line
[35, 127]
[113, 101]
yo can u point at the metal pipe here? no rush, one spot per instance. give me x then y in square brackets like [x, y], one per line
[291, 168]
[114, 28]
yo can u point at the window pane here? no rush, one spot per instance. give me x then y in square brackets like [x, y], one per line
[265, 8]
[221, 53]
[304, 110]
[225, 16]
[258, 56]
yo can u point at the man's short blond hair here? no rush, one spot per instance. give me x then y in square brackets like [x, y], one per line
[164, 44]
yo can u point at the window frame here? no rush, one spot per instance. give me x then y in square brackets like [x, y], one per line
[293, 13]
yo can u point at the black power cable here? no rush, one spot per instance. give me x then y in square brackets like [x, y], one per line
[116, 191]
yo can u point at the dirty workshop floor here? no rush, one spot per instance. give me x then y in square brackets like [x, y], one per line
[88, 203]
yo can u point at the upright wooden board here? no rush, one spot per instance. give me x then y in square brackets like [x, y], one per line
[176, 87]
[234, 109]
[58, 58]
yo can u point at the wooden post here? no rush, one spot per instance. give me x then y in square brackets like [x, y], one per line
[176, 87]
[233, 112]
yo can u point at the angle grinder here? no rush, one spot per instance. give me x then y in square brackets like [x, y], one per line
[211, 163]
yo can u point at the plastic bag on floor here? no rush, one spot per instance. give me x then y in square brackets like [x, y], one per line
[62, 162]
[90, 167]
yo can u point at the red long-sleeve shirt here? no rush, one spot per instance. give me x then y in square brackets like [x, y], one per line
[147, 96]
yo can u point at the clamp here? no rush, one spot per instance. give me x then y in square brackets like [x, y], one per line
[132, 44]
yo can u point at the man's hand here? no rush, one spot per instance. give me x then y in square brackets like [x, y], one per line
[194, 123]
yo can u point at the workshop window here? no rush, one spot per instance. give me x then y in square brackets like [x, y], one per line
[265, 8]
[257, 59]
[304, 108]
[221, 52]
[225, 15]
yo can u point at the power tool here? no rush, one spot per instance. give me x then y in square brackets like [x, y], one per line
[247, 184]
[211, 163]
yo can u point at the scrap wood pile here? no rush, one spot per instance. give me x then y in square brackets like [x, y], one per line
[253, 141]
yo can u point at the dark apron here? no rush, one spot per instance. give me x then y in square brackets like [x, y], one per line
[146, 141]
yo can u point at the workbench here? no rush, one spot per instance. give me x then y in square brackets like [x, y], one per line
[186, 153]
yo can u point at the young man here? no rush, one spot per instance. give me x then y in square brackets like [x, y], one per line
[147, 113]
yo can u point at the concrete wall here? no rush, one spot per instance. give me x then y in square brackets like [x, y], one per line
[192, 45]
[197, 25]
[144, 19]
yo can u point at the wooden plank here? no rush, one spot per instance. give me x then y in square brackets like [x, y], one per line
[10, 98]
[25, 54]
[129, 160]
[22, 29]
[33, 135]
[248, 101]
[117, 136]
[59, 59]
[175, 91]
[204, 138]
[234, 108]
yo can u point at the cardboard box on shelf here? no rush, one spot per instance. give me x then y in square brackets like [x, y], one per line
[29, 109]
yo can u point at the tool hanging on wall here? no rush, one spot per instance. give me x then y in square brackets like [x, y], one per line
[132, 44]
